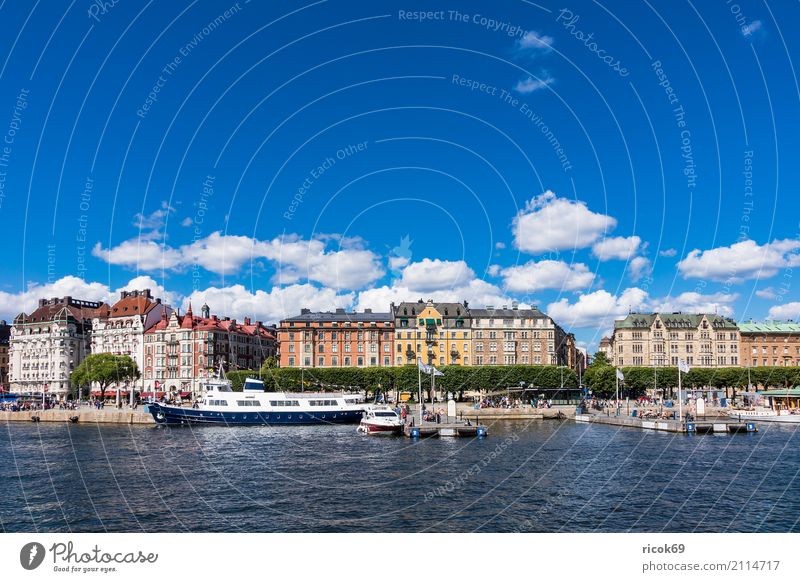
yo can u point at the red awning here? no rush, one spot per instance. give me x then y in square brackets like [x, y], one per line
[151, 394]
[110, 393]
[185, 394]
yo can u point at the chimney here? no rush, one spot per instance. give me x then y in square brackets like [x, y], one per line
[247, 321]
[514, 305]
[42, 302]
[368, 311]
[340, 310]
[305, 311]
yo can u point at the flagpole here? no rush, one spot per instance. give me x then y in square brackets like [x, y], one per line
[419, 391]
[616, 404]
[680, 400]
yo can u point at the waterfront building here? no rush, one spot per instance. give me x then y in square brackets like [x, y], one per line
[662, 339]
[507, 336]
[438, 333]
[48, 344]
[606, 348]
[337, 339]
[121, 332]
[179, 350]
[5, 338]
[769, 343]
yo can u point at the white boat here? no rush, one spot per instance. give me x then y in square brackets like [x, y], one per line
[762, 414]
[253, 406]
[381, 420]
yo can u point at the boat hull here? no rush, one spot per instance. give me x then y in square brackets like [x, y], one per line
[371, 428]
[175, 415]
[781, 418]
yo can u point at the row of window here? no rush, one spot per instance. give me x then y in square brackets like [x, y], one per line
[347, 361]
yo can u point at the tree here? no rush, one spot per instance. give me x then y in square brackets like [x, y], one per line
[269, 363]
[600, 359]
[104, 369]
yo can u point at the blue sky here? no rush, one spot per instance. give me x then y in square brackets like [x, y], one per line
[263, 157]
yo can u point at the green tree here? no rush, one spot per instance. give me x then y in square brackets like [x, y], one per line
[104, 369]
[269, 363]
[600, 359]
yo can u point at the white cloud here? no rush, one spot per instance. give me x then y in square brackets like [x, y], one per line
[531, 85]
[639, 267]
[749, 29]
[597, 309]
[294, 258]
[693, 302]
[785, 312]
[12, 304]
[493, 270]
[188, 221]
[741, 261]
[153, 226]
[499, 245]
[268, 306]
[533, 40]
[766, 293]
[616, 247]
[535, 276]
[552, 223]
[668, 253]
[429, 275]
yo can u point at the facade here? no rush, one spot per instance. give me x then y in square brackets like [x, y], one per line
[606, 348]
[5, 338]
[180, 350]
[48, 344]
[438, 333]
[503, 336]
[769, 344]
[122, 331]
[337, 339]
[662, 339]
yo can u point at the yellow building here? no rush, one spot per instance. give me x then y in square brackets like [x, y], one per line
[438, 333]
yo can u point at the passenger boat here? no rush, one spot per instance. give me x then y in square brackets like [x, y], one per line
[381, 420]
[762, 414]
[253, 406]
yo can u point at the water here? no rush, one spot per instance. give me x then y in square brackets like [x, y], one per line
[536, 476]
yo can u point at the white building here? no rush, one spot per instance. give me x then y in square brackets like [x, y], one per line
[47, 345]
[121, 331]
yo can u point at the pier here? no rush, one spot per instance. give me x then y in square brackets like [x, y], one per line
[445, 429]
[716, 425]
[85, 415]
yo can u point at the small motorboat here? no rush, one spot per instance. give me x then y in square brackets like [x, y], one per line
[380, 421]
[763, 414]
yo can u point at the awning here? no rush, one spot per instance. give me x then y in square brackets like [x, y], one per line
[786, 392]
[110, 392]
[184, 394]
[151, 394]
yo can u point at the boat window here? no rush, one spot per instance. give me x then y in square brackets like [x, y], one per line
[247, 402]
[391, 414]
[322, 402]
[218, 402]
[284, 403]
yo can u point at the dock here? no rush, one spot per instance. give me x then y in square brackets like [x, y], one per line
[445, 429]
[716, 425]
[84, 414]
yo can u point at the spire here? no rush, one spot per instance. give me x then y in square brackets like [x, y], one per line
[188, 319]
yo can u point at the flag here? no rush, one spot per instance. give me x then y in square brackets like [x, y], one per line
[620, 375]
[427, 369]
[683, 366]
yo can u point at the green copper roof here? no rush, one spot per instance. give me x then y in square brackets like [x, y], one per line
[769, 327]
[674, 320]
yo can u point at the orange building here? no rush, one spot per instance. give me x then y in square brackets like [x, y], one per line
[337, 339]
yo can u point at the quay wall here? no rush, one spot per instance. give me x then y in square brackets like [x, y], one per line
[85, 416]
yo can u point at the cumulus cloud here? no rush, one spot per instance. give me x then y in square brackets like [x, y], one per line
[494, 270]
[785, 312]
[741, 261]
[693, 302]
[535, 276]
[766, 293]
[668, 253]
[433, 274]
[598, 309]
[294, 258]
[12, 304]
[616, 247]
[531, 84]
[533, 40]
[639, 267]
[551, 223]
[268, 306]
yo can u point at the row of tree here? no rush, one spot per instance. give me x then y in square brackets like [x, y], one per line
[600, 378]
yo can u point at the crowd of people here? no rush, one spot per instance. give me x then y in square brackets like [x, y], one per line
[508, 402]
